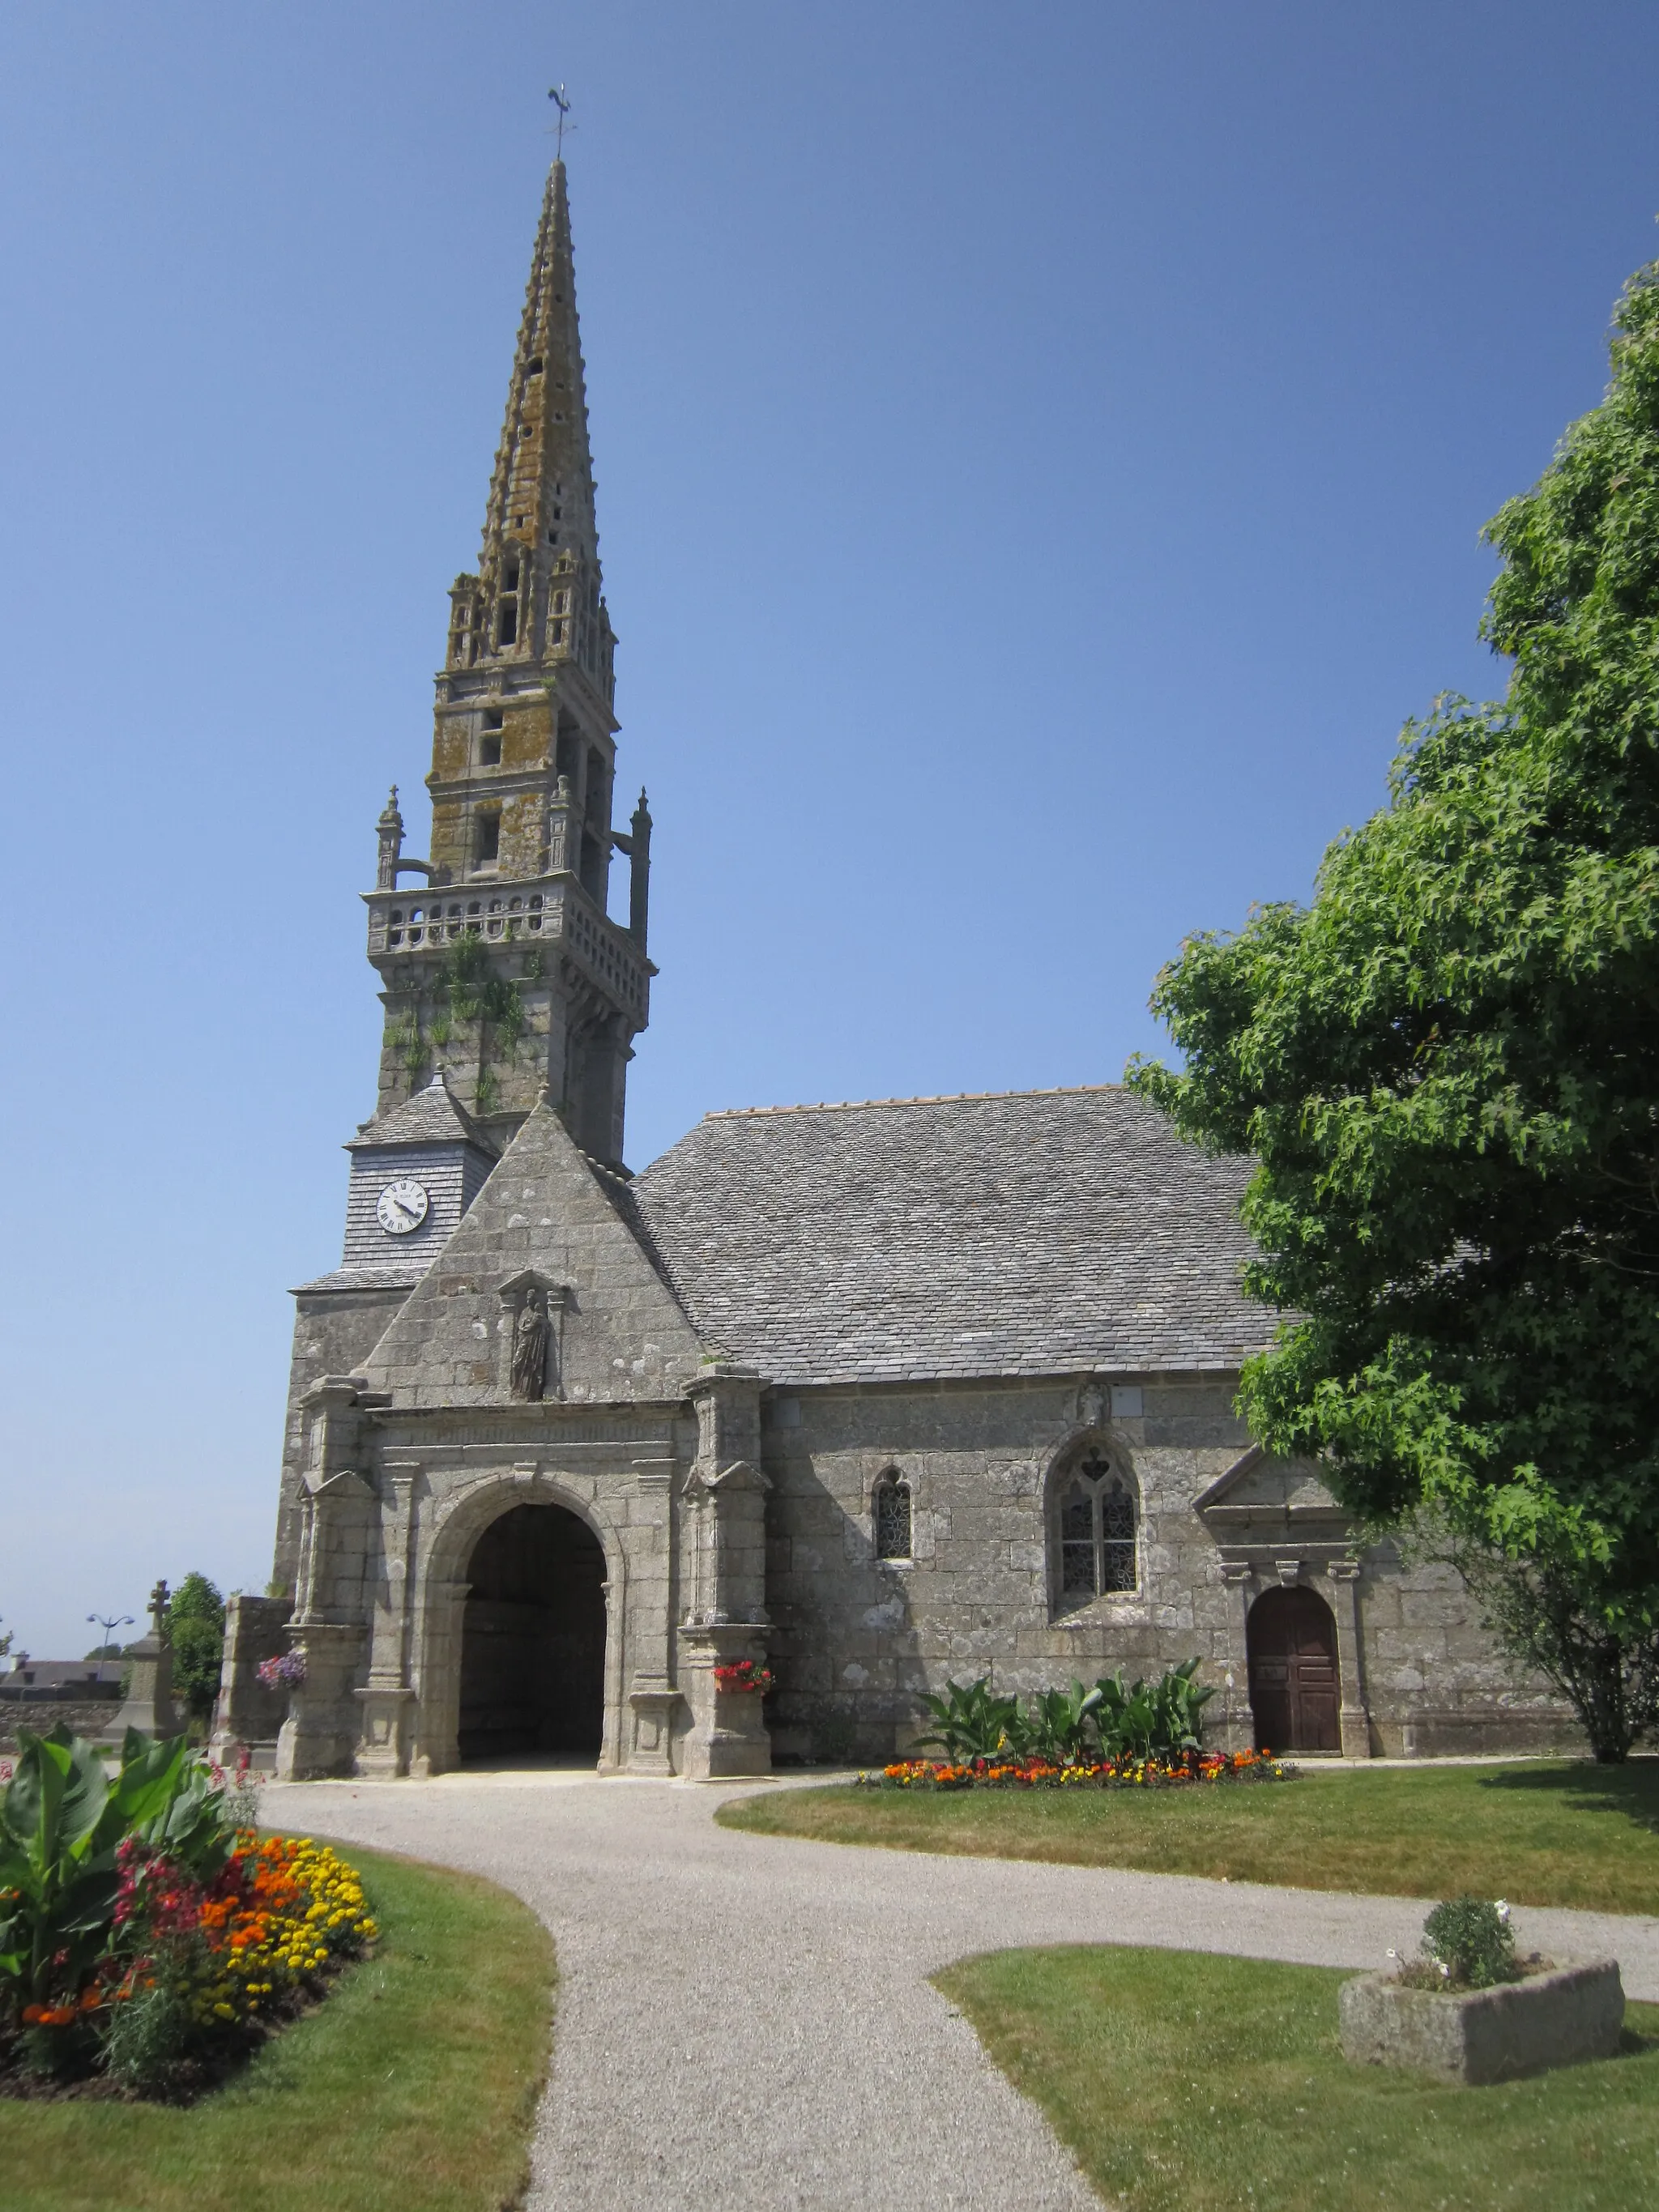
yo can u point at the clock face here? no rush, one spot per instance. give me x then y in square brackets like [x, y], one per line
[401, 1206]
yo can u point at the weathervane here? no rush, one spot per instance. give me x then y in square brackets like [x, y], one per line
[557, 96]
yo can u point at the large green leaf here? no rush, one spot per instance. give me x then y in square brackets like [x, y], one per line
[150, 1777]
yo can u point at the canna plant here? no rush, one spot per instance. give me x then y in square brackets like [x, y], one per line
[1059, 1725]
[1160, 1720]
[1152, 1720]
[971, 1721]
[61, 1821]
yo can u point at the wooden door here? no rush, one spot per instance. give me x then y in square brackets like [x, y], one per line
[1295, 1692]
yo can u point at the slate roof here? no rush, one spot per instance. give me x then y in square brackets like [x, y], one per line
[396, 1275]
[1022, 1233]
[430, 1117]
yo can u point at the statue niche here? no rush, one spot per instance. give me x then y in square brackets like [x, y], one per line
[530, 1348]
[531, 1354]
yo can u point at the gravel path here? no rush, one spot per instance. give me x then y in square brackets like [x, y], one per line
[745, 2023]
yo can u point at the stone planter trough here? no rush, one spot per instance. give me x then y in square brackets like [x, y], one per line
[1573, 2013]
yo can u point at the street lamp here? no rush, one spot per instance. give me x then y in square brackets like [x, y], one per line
[109, 1622]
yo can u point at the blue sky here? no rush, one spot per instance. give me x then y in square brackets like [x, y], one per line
[1041, 456]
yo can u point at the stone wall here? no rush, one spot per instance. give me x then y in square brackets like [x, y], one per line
[334, 1332]
[88, 1716]
[389, 1498]
[859, 1637]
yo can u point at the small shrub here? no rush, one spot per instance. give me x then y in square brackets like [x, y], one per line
[149, 2035]
[1468, 1944]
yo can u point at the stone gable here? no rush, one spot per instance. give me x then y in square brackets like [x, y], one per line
[546, 1211]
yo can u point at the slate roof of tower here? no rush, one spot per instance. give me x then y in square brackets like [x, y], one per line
[432, 1116]
[1025, 1233]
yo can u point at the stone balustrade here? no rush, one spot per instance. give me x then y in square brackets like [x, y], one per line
[545, 910]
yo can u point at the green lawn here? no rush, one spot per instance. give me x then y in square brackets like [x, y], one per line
[1185, 2083]
[1539, 1833]
[412, 2089]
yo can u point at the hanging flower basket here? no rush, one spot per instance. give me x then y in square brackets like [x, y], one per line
[745, 1674]
[285, 1671]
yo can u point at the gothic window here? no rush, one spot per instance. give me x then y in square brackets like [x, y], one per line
[892, 1517]
[1094, 1532]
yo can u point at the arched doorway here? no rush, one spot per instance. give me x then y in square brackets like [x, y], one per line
[1295, 1686]
[533, 1638]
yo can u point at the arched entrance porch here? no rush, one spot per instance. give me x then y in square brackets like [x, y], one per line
[1295, 1692]
[533, 1638]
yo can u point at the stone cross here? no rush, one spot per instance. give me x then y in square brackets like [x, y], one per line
[158, 1605]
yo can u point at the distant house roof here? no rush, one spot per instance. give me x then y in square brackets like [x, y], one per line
[1020, 1233]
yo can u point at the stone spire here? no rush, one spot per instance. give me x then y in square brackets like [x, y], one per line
[538, 593]
[507, 970]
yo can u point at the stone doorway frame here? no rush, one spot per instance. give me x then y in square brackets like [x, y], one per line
[439, 1608]
[1276, 1600]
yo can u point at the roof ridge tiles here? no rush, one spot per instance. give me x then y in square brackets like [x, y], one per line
[927, 1098]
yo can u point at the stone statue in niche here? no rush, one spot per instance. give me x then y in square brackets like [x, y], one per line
[1092, 1405]
[530, 1334]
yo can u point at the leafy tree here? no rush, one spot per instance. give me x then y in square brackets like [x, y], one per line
[196, 1629]
[1447, 1069]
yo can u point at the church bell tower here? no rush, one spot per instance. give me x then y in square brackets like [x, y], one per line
[501, 969]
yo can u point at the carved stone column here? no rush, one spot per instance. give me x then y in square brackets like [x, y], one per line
[654, 1701]
[1356, 1719]
[437, 1746]
[329, 1630]
[385, 1700]
[729, 1735]
[1237, 1721]
[319, 1736]
[726, 1521]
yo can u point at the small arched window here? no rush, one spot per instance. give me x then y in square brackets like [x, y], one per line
[891, 1509]
[1094, 1532]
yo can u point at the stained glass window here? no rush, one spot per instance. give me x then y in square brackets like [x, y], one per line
[1076, 1545]
[1094, 1533]
[1117, 1537]
[892, 1518]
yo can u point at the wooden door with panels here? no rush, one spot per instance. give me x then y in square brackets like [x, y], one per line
[1296, 1688]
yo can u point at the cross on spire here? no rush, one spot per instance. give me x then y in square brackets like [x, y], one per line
[557, 96]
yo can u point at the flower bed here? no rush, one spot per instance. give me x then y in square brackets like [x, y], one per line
[148, 1940]
[1191, 1770]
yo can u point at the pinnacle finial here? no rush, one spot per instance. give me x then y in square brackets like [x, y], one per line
[390, 831]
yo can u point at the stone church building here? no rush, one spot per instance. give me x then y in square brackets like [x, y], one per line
[874, 1395]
